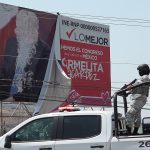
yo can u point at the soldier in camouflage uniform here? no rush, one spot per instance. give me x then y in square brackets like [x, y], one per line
[139, 98]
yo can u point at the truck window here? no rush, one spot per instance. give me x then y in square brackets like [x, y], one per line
[81, 126]
[37, 130]
[146, 125]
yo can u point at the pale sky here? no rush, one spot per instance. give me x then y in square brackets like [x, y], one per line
[129, 22]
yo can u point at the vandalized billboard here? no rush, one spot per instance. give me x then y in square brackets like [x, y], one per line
[52, 59]
[26, 38]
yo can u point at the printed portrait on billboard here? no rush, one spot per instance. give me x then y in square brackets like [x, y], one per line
[26, 38]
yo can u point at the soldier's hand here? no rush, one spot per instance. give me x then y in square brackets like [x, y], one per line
[129, 87]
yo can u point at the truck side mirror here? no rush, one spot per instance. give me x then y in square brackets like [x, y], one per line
[7, 142]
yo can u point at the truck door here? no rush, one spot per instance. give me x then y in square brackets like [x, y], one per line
[82, 132]
[131, 143]
[35, 135]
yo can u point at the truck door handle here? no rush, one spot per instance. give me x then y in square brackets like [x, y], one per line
[45, 148]
[97, 146]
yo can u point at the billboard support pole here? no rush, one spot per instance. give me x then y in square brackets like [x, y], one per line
[24, 108]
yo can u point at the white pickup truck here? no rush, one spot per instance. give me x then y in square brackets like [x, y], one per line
[77, 130]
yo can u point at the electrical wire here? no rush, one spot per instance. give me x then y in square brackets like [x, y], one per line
[112, 20]
[116, 18]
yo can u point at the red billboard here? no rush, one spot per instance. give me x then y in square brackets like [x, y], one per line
[85, 57]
